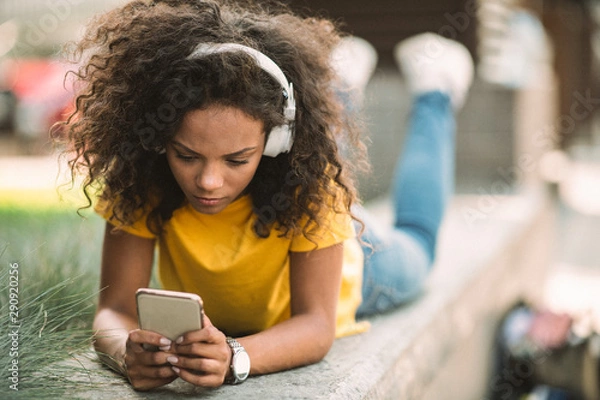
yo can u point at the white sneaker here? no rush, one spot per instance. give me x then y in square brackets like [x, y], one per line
[430, 62]
[354, 60]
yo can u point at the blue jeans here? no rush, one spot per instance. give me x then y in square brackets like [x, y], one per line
[398, 259]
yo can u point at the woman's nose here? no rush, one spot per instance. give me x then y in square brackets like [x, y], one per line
[210, 179]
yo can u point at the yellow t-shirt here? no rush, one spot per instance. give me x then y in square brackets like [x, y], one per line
[243, 279]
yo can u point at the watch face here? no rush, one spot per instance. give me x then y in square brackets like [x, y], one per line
[241, 365]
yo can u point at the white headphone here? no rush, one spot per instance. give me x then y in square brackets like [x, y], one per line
[281, 137]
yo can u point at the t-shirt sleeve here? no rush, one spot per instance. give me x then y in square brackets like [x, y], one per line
[338, 227]
[139, 228]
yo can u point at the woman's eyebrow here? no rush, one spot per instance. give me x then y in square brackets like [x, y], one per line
[241, 152]
[234, 154]
[183, 147]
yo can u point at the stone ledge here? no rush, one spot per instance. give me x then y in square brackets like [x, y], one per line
[438, 346]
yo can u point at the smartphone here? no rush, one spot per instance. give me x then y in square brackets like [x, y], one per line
[168, 312]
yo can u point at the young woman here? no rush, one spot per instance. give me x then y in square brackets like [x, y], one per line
[210, 132]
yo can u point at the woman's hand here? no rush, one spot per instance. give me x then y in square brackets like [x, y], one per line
[147, 369]
[201, 357]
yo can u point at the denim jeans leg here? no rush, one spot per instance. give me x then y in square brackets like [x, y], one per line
[398, 260]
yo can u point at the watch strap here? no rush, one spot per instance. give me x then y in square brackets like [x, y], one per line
[236, 348]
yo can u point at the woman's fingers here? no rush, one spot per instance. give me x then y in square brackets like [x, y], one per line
[149, 338]
[200, 365]
[200, 379]
[201, 357]
[149, 373]
[207, 342]
[145, 361]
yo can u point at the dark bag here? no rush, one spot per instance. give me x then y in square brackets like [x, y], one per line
[543, 355]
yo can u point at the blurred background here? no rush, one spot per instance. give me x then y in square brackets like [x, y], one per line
[530, 122]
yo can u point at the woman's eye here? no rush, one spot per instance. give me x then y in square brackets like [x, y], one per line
[184, 157]
[237, 162]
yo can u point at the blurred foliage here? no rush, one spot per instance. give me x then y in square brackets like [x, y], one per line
[55, 254]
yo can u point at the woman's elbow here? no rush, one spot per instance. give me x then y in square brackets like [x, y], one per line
[322, 344]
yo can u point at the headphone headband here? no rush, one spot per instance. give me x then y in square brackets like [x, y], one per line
[280, 138]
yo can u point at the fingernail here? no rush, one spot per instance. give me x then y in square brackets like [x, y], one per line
[172, 359]
[165, 342]
[176, 370]
[179, 339]
[165, 348]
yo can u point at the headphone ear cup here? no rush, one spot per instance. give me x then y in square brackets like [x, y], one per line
[279, 141]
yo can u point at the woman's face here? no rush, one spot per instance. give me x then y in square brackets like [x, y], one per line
[214, 156]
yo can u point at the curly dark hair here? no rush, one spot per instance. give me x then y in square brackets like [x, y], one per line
[136, 84]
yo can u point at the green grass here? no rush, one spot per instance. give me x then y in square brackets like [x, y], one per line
[51, 246]
[56, 255]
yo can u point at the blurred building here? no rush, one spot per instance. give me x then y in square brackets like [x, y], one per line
[497, 32]
[385, 22]
[572, 26]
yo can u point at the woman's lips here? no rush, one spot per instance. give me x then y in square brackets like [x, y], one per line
[209, 201]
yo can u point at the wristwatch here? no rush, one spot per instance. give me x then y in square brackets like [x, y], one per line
[240, 362]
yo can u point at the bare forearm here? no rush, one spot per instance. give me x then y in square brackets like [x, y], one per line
[307, 336]
[111, 330]
[301, 340]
